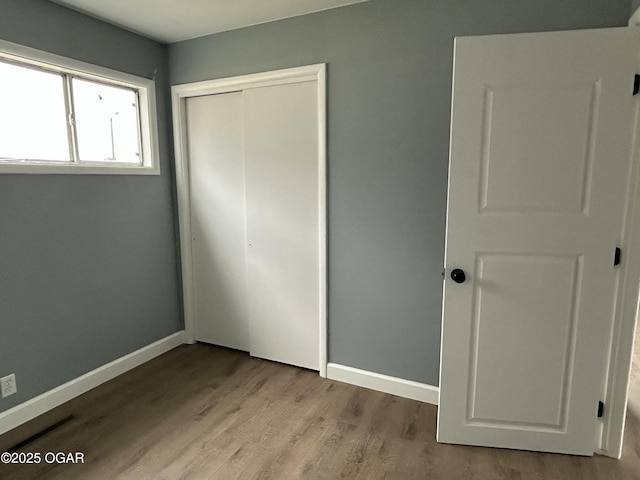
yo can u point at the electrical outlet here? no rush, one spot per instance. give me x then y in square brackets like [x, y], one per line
[8, 385]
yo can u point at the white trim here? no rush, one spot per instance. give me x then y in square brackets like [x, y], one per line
[322, 217]
[253, 80]
[145, 88]
[95, 168]
[30, 409]
[184, 211]
[634, 20]
[610, 438]
[384, 383]
[179, 94]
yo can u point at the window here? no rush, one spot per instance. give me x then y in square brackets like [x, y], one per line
[59, 115]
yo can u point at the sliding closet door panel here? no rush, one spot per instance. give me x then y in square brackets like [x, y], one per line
[281, 161]
[218, 220]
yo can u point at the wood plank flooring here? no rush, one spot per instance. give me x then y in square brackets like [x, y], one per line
[206, 413]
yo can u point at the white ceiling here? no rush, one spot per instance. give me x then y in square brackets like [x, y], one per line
[174, 20]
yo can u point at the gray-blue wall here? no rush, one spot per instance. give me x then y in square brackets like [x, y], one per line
[88, 265]
[389, 90]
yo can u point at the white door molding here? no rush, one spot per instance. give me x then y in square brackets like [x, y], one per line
[179, 94]
[616, 382]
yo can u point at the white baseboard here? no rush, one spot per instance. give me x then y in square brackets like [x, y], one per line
[384, 383]
[634, 21]
[30, 409]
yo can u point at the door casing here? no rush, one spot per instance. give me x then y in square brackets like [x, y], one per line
[179, 94]
[616, 382]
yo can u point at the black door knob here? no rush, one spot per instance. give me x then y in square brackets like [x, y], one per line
[458, 276]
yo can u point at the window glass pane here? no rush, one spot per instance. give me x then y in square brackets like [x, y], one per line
[33, 124]
[106, 119]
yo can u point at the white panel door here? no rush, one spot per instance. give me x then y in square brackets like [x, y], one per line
[541, 134]
[281, 155]
[218, 219]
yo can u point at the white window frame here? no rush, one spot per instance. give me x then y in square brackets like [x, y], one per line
[145, 88]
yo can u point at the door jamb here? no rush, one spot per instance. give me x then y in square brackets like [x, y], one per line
[618, 363]
[179, 95]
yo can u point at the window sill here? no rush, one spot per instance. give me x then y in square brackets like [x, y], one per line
[48, 168]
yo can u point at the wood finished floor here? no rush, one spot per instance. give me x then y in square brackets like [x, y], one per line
[203, 412]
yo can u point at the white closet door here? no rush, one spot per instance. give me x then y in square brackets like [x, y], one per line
[281, 161]
[215, 142]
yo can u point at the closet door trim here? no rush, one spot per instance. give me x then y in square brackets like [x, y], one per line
[179, 94]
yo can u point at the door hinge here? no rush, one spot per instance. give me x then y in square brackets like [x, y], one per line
[616, 257]
[600, 409]
[636, 84]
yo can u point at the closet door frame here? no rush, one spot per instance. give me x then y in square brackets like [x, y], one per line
[179, 94]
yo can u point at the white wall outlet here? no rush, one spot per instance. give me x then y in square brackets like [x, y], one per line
[8, 385]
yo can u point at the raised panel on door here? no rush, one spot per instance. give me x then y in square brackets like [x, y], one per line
[529, 300]
[281, 155]
[218, 219]
[541, 139]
